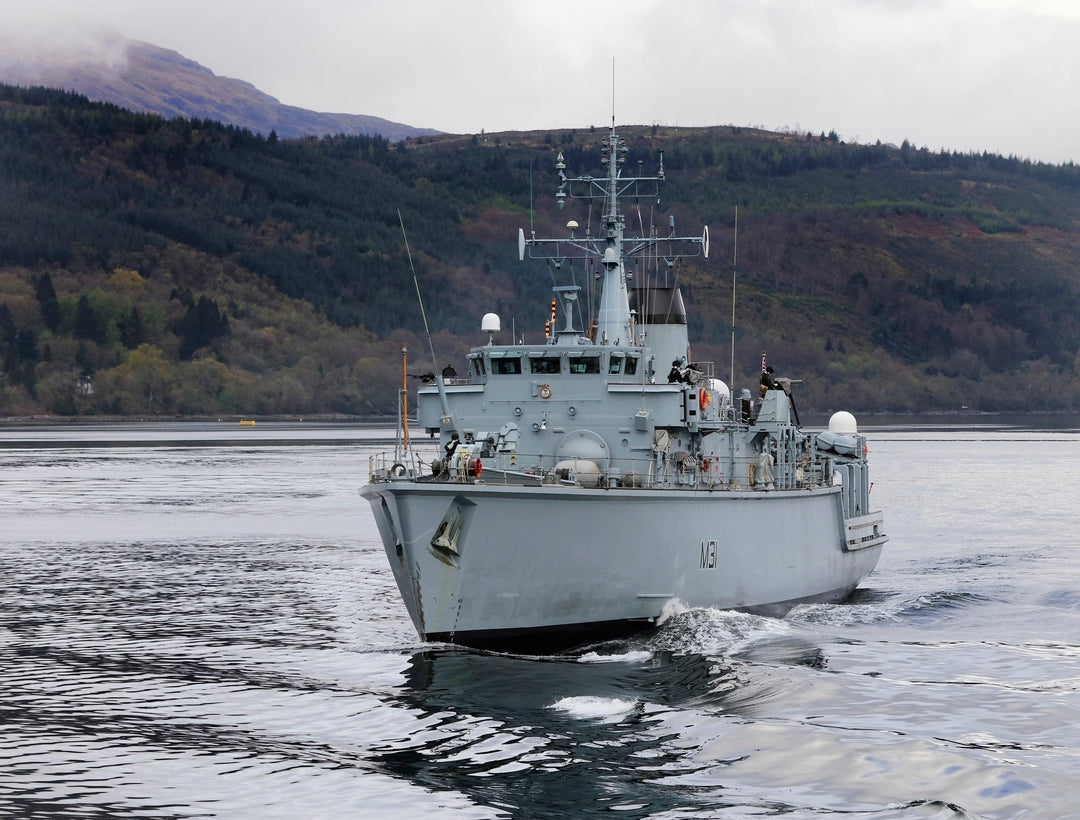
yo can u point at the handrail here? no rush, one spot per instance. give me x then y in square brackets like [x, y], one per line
[645, 472]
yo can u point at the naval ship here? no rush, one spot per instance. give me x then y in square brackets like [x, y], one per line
[582, 488]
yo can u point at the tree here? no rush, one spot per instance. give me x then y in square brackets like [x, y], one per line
[201, 325]
[50, 305]
[132, 331]
[83, 361]
[21, 359]
[142, 383]
[7, 326]
[86, 323]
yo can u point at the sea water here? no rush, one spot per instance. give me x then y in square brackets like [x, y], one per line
[198, 620]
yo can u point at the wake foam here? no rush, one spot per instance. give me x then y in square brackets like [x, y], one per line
[716, 631]
[591, 707]
[630, 656]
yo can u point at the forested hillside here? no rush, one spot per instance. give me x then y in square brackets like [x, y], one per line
[185, 267]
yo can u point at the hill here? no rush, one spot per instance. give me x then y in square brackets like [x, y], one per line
[185, 266]
[143, 77]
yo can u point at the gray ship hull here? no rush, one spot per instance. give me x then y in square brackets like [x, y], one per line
[503, 566]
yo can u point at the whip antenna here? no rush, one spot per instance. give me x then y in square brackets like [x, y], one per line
[440, 379]
[419, 298]
[734, 268]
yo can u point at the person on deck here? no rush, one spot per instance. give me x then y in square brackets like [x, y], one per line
[451, 446]
[676, 375]
[767, 381]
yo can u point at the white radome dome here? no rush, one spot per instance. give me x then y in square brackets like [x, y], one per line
[843, 423]
[490, 323]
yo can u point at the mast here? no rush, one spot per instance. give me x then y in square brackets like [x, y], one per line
[734, 271]
[613, 315]
[612, 247]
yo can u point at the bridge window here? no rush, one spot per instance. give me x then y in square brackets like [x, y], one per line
[546, 366]
[507, 366]
[585, 364]
[631, 365]
[615, 365]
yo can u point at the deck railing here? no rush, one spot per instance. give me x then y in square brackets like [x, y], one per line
[648, 472]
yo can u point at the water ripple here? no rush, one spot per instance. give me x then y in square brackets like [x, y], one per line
[213, 631]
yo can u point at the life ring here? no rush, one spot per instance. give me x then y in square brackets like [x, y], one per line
[398, 469]
[545, 391]
[703, 399]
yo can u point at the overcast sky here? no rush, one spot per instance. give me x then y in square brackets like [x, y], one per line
[966, 75]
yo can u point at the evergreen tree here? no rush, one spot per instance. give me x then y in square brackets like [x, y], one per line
[201, 325]
[21, 359]
[86, 323]
[8, 351]
[26, 345]
[50, 305]
[7, 326]
[132, 331]
[83, 361]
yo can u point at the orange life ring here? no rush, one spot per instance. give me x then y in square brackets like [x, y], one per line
[703, 399]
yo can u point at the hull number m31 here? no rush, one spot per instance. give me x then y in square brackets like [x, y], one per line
[708, 555]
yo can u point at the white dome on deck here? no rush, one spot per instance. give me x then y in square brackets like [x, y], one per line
[843, 423]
